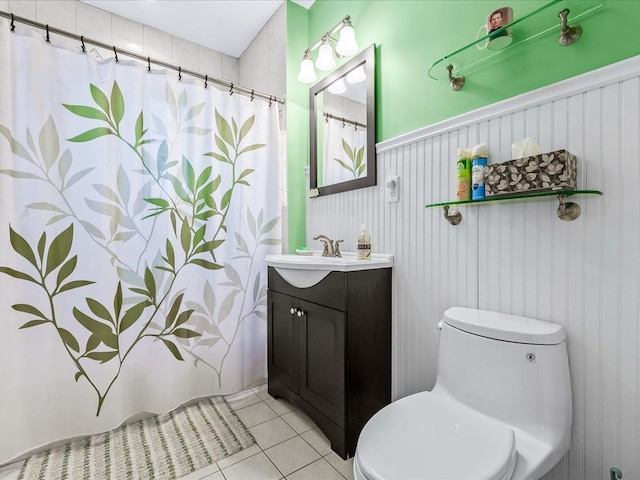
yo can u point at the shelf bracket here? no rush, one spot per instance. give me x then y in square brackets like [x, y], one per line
[456, 82]
[454, 218]
[568, 211]
[570, 33]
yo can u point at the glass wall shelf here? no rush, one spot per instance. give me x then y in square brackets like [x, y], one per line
[525, 28]
[566, 210]
[524, 196]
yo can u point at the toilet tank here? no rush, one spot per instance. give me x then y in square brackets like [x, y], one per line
[512, 368]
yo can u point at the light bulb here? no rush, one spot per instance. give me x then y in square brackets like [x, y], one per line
[347, 44]
[337, 87]
[307, 72]
[357, 75]
[325, 59]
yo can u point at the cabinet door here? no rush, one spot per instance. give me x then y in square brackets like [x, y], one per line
[322, 359]
[282, 340]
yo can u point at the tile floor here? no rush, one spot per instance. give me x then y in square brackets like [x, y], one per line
[288, 445]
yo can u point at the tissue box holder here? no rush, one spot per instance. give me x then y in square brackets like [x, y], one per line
[535, 174]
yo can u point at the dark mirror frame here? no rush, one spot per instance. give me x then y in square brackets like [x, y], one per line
[366, 57]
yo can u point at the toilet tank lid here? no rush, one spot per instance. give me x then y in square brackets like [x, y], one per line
[503, 326]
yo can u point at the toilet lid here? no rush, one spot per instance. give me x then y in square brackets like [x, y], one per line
[426, 436]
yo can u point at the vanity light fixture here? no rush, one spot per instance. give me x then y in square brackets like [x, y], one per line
[307, 73]
[325, 59]
[345, 46]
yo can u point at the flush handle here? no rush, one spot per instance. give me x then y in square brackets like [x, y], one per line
[439, 325]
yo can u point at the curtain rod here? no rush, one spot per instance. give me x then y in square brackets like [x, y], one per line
[344, 120]
[116, 50]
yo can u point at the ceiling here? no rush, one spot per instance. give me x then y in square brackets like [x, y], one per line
[228, 26]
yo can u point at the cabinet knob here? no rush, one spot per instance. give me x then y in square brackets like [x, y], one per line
[300, 313]
[293, 310]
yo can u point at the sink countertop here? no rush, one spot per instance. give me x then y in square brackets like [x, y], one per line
[346, 263]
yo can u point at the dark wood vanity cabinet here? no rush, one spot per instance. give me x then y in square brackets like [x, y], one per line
[329, 349]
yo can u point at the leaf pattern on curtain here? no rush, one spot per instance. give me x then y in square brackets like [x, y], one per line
[146, 303]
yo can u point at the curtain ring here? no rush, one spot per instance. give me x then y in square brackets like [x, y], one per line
[231, 89]
[179, 73]
[270, 100]
[252, 96]
[343, 124]
[206, 80]
[115, 52]
[84, 48]
[47, 28]
[13, 25]
[149, 64]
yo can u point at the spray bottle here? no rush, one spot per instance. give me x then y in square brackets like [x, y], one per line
[478, 164]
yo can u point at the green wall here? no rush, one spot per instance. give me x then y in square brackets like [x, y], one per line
[297, 111]
[412, 34]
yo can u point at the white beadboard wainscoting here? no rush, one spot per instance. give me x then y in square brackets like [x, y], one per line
[520, 258]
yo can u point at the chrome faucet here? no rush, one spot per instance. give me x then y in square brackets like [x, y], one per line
[330, 249]
[328, 245]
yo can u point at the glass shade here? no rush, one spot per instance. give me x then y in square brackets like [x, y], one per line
[325, 59]
[307, 72]
[347, 44]
[357, 75]
[337, 87]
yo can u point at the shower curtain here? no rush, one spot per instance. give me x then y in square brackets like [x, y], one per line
[136, 212]
[344, 152]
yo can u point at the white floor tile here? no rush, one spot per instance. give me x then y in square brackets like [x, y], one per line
[271, 433]
[262, 392]
[242, 399]
[258, 467]
[299, 421]
[292, 455]
[318, 470]
[215, 476]
[317, 440]
[280, 406]
[255, 414]
[345, 467]
[237, 457]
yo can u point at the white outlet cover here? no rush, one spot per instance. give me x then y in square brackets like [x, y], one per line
[391, 188]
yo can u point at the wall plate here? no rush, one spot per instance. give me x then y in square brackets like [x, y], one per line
[392, 188]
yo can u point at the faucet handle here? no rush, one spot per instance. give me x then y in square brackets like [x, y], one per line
[336, 248]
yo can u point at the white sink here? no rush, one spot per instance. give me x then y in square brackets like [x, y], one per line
[346, 263]
[304, 271]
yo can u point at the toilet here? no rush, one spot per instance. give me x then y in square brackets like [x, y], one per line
[500, 408]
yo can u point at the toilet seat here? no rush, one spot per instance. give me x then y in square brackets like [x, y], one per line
[426, 436]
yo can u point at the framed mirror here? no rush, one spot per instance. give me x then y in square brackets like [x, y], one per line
[342, 121]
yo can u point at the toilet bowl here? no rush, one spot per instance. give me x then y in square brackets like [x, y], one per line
[500, 409]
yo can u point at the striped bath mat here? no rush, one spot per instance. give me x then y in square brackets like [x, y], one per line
[163, 447]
